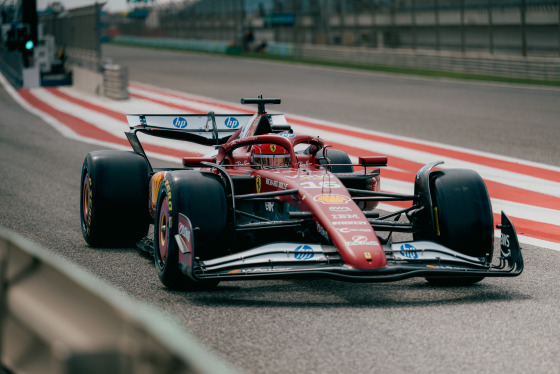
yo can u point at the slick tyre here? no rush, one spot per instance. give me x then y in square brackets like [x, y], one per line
[113, 198]
[344, 165]
[342, 161]
[201, 197]
[463, 217]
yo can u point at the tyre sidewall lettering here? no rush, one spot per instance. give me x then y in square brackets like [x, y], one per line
[167, 186]
[87, 200]
[166, 191]
[90, 204]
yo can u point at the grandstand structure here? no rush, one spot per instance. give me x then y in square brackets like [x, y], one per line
[519, 27]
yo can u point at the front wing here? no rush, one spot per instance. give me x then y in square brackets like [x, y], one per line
[404, 260]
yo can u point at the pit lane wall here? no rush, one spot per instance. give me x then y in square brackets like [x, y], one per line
[540, 68]
[57, 318]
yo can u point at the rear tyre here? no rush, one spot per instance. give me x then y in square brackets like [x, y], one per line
[463, 218]
[113, 199]
[339, 157]
[201, 197]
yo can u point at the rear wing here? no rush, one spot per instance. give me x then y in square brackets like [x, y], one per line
[209, 129]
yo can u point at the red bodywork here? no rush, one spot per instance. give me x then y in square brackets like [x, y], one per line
[296, 208]
[320, 191]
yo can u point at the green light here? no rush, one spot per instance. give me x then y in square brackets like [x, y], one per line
[29, 44]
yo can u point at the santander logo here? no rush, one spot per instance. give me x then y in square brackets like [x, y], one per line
[359, 238]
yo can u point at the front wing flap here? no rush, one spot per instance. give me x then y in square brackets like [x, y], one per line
[404, 260]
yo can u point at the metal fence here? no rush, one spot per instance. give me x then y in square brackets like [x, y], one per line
[77, 33]
[521, 27]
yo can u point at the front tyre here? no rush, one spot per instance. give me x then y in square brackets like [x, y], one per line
[199, 196]
[166, 253]
[463, 218]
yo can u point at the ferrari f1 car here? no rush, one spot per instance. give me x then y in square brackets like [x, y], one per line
[268, 203]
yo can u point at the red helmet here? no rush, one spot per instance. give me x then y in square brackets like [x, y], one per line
[270, 155]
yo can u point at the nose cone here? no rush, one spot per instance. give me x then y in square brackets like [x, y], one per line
[362, 251]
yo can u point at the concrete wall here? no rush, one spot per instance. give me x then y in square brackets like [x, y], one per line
[87, 80]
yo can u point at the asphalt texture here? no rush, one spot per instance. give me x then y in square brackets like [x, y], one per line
[317, 326]
[517, 121]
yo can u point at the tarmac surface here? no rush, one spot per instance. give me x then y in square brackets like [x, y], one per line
[318, 326]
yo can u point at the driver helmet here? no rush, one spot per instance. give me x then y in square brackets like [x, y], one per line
[270, 155]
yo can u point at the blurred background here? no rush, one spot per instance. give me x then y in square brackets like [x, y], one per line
[526, 27]
[507, 131]
[518, 38]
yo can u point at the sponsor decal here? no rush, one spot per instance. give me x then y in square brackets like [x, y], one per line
[269, 206]
[287, 135]
[350, 244]
[307, 176]
[408, 251]
[348, 230]
[245, 162]
[258, 183]
[322, 231]
[350, 223]
[155, 183]
[361, 240]
[180, 122]
[332, 199]
[275, 183]
[232, 123]
[185, 231]
[244, 131]
[345, 216]
[303, 252]
[340, 209]
[259, 270]
[310, 185]
[505, 240]
[505, 245]
[305, 164]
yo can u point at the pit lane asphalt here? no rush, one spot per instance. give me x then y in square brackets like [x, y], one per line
[313, 326]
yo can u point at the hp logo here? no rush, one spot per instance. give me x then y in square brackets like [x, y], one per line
[232, 123]
[180, 122]
[304, 252]
[409, 251]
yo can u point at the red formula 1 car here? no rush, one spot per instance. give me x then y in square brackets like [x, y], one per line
[268, 203]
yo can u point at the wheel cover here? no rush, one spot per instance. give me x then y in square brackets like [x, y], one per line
[86, 202]
[163, 230]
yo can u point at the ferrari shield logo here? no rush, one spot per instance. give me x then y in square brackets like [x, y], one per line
[258, 184]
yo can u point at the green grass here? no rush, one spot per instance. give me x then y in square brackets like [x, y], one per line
[378, 68]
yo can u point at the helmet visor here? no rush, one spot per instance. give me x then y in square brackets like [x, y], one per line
[272, 161]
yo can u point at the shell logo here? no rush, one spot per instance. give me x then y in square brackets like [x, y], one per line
[332, 199]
